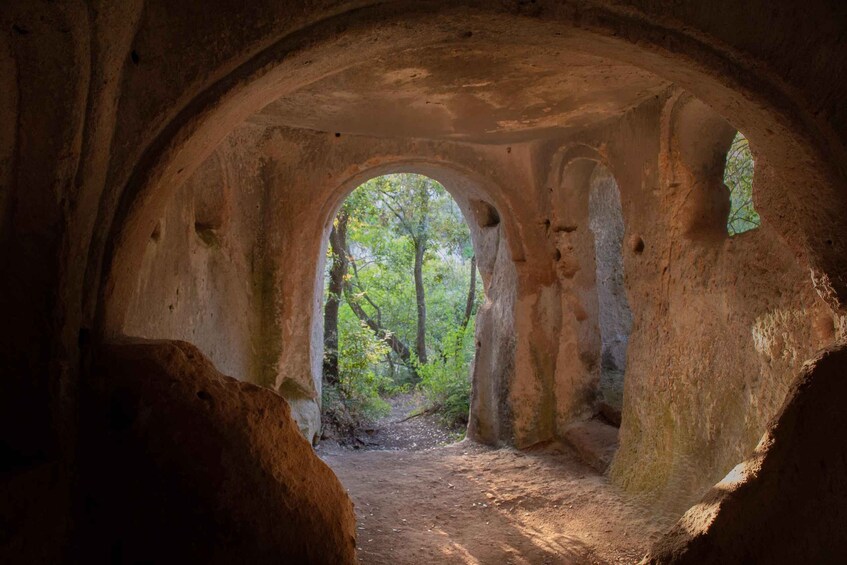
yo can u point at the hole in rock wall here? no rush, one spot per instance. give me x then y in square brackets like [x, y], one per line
[401, 294]
[211, 203]
[486, 215]
[738, 178]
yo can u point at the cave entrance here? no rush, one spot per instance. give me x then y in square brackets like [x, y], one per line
[614, 316]
[400, 298]
[476, 104]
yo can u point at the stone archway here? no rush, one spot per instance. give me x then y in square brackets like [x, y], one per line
[103, 143]
[192, 132]
[541, 406]
[282, 332]
[494, 358]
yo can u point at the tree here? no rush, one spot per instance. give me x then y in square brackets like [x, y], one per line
[340, 285]
[471, 301]
[402, 262]
[408, 198]
[421, 208]
[738, 177]
[334, 294]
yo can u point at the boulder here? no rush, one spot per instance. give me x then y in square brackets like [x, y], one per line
[197, 467]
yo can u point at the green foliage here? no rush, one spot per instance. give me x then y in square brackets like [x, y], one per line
[446, 381]
[738, 177]
[359, 352]
[387, 217]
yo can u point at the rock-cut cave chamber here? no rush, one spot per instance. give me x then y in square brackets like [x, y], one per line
[170, 174]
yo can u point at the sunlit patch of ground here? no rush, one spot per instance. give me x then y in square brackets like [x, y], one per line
[469, 504]
[409, 426]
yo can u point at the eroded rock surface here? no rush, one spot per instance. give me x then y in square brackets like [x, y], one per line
[149, 148]
[197, 467]
[788, 502]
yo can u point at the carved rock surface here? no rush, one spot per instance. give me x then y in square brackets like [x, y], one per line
[200, 468]
[787, 503]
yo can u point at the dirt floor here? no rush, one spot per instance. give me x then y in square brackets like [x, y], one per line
[470, 504]
[409, 427]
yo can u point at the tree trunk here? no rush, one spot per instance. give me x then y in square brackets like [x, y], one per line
[471, 294]
[392, 340]
[337, 274]
[420, 298]
[338, 245]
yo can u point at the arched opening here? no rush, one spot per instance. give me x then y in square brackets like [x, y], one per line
[530, 385]
[738, 177]
[537, 337]
[401, 298]
[614, 316]
[588, 232]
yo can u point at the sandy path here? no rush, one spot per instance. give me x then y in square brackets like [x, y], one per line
[399, 431]
[469, 504]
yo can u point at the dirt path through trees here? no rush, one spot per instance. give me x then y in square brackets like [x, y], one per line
[466, 503]
[409, 427]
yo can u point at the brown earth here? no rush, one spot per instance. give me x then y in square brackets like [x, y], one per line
[467, 503]
[410, 424]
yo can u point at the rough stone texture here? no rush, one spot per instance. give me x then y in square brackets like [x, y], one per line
[787, 503]
[494, 361]
[286, 342]
[614, 316]
[440, 93]
[199, 279]
[595, 442]
[109, 108]
[717, 336]
[715, 343]
[197, 467]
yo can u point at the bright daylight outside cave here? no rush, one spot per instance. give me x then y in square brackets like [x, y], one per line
[401, 298]
[412, 282]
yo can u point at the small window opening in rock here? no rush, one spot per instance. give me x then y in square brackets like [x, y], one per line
[738, 178]
[401, 296]
[486, 215]
[614, 316]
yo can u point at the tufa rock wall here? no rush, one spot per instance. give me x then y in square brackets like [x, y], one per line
[721, 325]
[716, 339]
[200, 279]
[197, 467]
[787, 503]
[107, 109]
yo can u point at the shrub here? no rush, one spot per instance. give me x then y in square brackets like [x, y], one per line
[359, 352]
[446, 380]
